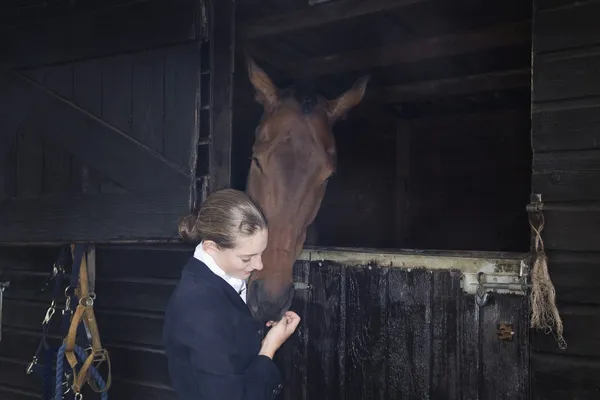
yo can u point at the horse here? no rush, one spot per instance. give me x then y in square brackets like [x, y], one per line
[293, 158]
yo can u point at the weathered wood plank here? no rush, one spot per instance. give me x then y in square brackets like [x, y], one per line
[581, 325]
[366, 332]
[462, 85]
[469, 348]
[574, 127]
[12, 375]
[222, 48]
[102, 146]
[312, 17]
[105, 217]
[409, 316]
[103, 33]
[576, 229]
[445, 306]
[418, 50]
[576, 276]
[567, 28]
[327, 320]
[144, 329]
[512, 357]
[148, 100]
[182, 84]
[122, 263]
[558, 378]
[583, 160]
[567, 186]
[570, 76]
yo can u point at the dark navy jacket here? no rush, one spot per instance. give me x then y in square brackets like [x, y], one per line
[212, 342]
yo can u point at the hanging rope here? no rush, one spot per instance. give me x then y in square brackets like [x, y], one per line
[544, 314]
[58, 393]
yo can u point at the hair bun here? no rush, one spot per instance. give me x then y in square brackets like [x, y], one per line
[187, 229]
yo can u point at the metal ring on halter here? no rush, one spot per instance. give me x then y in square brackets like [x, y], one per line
[87, 301]
[78, 396]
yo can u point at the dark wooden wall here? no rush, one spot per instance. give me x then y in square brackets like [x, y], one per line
[566, 172]
[367, 332]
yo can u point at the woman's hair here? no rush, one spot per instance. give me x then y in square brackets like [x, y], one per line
[224, 216]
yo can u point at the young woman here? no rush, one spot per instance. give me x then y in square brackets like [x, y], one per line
[212, 343]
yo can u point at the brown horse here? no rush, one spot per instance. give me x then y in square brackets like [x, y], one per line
[294, 156]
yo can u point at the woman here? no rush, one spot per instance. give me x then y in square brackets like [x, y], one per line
[212, 343]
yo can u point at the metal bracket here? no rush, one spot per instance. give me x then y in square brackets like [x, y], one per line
[482, 283]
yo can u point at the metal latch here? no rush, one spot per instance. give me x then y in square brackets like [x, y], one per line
[505, 332]
[482, 283]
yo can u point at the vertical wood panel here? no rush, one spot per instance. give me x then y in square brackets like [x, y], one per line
[366, 333]
[409, 341]
[148, 98]
[182, 72]
[117, 91]
[88, 95]
[57, 163]
[326, 320]
[292, 358]
[468, 344]
[222, 47]
[505, 365]
[117, 100]
[446, 365]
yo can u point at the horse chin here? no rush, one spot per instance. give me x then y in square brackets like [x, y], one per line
[266, 308]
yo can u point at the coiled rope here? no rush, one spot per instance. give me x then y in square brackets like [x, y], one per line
[60, 369]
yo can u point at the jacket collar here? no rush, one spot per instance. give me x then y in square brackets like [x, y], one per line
[202, 270]
[238, 285]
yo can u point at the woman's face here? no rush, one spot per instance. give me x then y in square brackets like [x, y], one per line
[240, 261]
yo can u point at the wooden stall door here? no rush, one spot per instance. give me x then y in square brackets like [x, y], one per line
[101, 109]
[405, 331]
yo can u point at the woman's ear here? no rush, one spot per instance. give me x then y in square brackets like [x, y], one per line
[210, 247]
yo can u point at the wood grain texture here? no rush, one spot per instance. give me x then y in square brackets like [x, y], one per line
[567, 28]
[564, 377]
[105, 217]
[574, 126]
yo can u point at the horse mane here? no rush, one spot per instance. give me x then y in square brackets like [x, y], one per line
[304, 92]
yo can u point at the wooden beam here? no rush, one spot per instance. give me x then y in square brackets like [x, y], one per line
[98, 144]
[313, 17]
[110, 217]
[463, 85]
[419, 50]
[222, 48]
[488, 122]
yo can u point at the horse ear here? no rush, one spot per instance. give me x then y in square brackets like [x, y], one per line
[338, 107]
[266, 91]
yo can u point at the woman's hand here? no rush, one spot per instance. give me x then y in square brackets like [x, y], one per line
[280, 331]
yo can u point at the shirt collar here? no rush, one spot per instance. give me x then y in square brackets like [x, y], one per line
[238, 284]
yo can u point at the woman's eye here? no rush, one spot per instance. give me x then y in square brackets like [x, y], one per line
[245, 259]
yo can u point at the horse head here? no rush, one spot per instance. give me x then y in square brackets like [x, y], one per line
[293, 157]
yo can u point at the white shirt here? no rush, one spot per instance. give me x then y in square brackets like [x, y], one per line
[238, 284]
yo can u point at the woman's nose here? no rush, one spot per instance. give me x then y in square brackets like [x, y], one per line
[258, 265]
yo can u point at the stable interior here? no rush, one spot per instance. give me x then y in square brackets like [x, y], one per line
[437, 155]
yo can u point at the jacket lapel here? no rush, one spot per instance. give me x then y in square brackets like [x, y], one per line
[216, 281]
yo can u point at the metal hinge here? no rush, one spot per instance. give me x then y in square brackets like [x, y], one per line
[482, 283]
